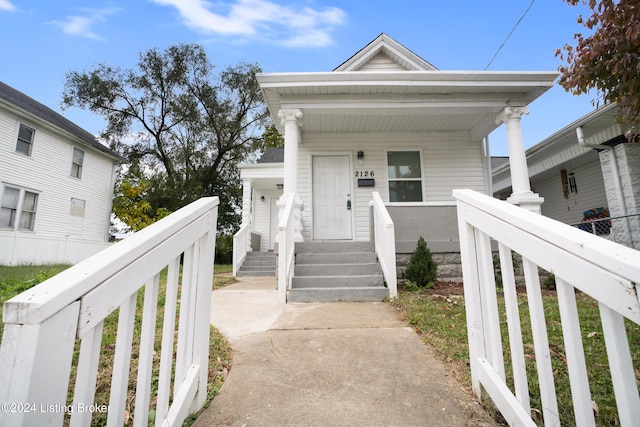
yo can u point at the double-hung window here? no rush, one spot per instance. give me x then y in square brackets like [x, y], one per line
[25, 140]
[18, 208]
[77, 160]
[405, 176]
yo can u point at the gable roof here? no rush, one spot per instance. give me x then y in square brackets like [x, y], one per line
[18, 100]
[382, 53]
[272, 155]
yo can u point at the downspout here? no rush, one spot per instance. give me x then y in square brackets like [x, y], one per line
[487, 165]
[615, 171]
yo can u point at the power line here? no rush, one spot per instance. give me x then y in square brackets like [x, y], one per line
[512, 30]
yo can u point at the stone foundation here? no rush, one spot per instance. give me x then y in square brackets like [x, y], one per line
[450, 268]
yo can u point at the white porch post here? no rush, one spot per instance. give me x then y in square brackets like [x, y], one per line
[247, 201]
[291, 118]
[521, 189]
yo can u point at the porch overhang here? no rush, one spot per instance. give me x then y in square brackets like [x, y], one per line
[263, 176]
[407, 101]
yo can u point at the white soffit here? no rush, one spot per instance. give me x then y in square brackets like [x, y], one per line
[387, 88]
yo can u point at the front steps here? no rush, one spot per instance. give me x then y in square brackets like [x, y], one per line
[258, 264]
[336, 271]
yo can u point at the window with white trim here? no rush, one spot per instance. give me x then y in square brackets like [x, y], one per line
[24, 144]
[405, 176]
[77, 160]
[18, 208]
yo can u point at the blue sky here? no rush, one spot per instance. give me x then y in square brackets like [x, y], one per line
[41, 40]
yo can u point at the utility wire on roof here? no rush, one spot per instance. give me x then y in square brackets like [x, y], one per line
[512, 30]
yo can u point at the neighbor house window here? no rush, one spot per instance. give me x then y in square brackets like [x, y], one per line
[25, 140]
[18, 208]
[76, 163]
[405, 176]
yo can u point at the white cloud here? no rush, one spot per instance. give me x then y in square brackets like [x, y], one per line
[7, 5]
[81, 25]
[261, 19]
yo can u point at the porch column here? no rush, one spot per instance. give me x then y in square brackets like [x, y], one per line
[292, 120]
[521, 189]
[247, 201]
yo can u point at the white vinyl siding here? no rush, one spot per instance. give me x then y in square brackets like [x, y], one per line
[262, 215]
[449, 161]
[48, 171]
[590, 194]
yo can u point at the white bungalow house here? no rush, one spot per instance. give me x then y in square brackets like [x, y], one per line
[585, 171]
[384, 125]
[56, 185]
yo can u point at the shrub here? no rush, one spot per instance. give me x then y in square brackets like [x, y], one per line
[422, 269]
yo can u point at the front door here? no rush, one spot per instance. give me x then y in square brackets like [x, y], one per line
[331, 198]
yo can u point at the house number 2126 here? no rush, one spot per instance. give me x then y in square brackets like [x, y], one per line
[360, 174]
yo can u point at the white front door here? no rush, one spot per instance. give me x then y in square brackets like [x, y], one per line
[331, 198]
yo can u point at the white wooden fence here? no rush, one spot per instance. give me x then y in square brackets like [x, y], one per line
[43, 325]
[384, 242]
[289, 216]
[240, 247]
[606, 271]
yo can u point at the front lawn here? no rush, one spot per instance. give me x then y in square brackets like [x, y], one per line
[14, 280]
[438, 315]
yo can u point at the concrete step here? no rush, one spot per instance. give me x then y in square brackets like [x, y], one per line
[259, 261]
[337, 281]
[258, 264]
[336, 269]
[255, 254]
[333, 246]
[256, 273]
[336, 258]
[258, 267]
[351, 294]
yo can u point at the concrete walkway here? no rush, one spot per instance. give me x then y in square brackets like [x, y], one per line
[328, 364]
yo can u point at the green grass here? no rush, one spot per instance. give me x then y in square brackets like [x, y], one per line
[441, 321]
[14, 280]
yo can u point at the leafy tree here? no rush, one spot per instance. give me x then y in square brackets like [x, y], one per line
[608, 60]
[272, 138]
[422, 269]
[182, 127]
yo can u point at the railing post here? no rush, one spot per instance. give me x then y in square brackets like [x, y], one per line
[34, 378]
[204, 288]
[473, 302]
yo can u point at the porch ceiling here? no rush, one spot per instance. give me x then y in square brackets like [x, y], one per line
[406, 101]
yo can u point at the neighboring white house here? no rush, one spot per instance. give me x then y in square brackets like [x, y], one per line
[600, 174]
[263, 182]
[56, 185]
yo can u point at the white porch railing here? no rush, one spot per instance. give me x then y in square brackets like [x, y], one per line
[385, 243]
[240, 247]
[606, 271]
[44, 324]
[289, 214]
